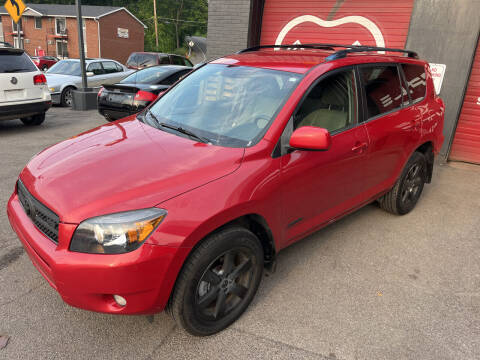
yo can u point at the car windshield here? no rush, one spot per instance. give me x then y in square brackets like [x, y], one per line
[231, 106]
[147, 76]
[66, 67]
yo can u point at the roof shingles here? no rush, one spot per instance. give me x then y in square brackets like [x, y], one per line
[67, 10]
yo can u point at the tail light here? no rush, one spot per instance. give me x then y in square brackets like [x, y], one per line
[39, 80]
[100, 91]
[145, 96]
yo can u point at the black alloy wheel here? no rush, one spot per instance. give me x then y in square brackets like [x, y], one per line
[412, 185]
[224, 284]
[403, 197]
[218, 281]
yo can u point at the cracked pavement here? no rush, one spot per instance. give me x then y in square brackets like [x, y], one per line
[370, 286]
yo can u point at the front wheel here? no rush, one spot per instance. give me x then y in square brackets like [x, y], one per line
[66, 98]
[218, 281]
[407, 190]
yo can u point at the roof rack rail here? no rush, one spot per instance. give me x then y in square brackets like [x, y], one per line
[292, 46]
[337, 55]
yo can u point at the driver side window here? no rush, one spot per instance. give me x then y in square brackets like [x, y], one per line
[96, 68]
[331, 104]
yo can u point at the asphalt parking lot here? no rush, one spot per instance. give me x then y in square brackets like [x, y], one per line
[371, 286]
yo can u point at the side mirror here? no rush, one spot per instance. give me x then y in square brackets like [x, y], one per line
[310, 138]
[90, 73]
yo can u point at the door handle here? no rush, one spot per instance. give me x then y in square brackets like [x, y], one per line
[360, 147]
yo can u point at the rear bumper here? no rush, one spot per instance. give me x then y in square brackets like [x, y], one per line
[119, 111]
[18, 111]
[143, 277]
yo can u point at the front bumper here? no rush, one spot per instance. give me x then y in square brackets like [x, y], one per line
[143, 277]
[18, 111]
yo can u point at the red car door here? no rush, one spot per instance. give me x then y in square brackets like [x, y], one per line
[317, 186]
[393, 126]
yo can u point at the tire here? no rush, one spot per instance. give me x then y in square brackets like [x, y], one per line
[218, 281]
[403, 197]
[66, 98]
[44, 68]
[34, 120]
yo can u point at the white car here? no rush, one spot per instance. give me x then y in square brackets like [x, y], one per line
[24, 92]
[65, 76]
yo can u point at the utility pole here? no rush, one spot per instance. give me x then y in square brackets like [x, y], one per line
[156, 22]
[19, 33]
[81, 46]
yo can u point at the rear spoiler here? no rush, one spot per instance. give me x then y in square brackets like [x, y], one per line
[132, 88]
[129, 88]
[8, 50]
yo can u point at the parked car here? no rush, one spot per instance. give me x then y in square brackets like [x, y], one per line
[24, 93]
[5, 44]
[44, 62]
[65, 76]
[183, 205]
[137, 90]
[141, 60]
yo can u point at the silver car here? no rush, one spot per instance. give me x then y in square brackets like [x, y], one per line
[65, 76]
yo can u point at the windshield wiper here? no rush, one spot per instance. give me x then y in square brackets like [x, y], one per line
[178, 129]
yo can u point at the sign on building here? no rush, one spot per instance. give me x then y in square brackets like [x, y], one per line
[122, 33]
[15, 8]
[438, 72]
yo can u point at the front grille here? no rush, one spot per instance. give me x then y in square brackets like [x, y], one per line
[44, 219]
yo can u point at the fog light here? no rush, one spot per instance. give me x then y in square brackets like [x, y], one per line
[120, 300]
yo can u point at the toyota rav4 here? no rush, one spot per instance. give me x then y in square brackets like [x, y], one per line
[184, 205]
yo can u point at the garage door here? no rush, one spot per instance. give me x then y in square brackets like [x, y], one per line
[360, 22]
[466, 143]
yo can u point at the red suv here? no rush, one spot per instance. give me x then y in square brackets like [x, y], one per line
[44, 62]
[183, 206]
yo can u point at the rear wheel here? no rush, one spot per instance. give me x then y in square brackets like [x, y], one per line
[407, 190]
[66, 98]
[34, 120]
[218, 281]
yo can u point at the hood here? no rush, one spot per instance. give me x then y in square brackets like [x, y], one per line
[59, 79]
[122, 166]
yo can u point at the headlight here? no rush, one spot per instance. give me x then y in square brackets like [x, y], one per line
[116, 233]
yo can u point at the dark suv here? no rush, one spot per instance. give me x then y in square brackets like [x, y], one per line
[244, 156]
[141, 60]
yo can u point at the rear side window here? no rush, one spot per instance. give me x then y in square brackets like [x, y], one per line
[163, 59]
[382, 88]
[177, 60]
[173, 78]
[415, 76]
[146, 60]
[12, 62]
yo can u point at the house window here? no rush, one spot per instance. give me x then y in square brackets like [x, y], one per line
[38, 22]
[62, 49]
[60, 26]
